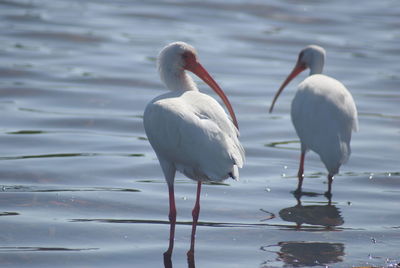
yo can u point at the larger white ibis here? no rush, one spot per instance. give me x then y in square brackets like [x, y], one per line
[323, 113]
[190, 131]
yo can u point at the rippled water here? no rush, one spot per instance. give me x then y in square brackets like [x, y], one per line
[81, 186]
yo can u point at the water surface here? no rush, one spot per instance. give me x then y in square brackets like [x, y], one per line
[81, 186]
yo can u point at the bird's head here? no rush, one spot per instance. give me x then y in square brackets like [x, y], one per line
[177, 57]
[311, 57]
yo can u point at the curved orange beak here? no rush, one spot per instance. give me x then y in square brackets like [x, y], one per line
[296, 70]
[196, 68]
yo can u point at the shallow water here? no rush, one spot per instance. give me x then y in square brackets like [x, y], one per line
[81, 186]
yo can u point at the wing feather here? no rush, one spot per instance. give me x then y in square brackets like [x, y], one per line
[193, 131]
[324, 115]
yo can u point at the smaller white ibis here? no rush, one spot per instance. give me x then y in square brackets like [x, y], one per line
[190, 131]
[323, 113]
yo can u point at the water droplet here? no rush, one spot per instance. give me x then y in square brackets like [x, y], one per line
[285, 167]
[283, 175]
[371, 175]
[373, 240]
[389, 174]
[184, 198]
[267, 189]
[125, 237]
[349, 203]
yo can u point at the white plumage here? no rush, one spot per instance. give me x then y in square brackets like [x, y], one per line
[323, 113]
[190, 131]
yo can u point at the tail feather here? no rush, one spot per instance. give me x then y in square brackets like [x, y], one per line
[234, 174]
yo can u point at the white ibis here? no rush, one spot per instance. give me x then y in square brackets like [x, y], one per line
[323, 113]
[190, 131]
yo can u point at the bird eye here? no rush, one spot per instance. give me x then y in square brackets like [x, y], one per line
[185, 55]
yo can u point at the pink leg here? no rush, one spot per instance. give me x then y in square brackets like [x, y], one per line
[172, 208]
[195, 214]
[172, 220]
[300, 174]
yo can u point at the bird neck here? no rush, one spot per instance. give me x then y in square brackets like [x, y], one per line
[317, 64]
[178, 80]
[316, 70]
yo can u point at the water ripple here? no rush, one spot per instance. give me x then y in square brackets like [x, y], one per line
[66, 155]
[218, 224]
[278, 144]
[46, 189]
[9, 213]
[13, 249]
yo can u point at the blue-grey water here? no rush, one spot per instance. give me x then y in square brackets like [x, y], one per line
[81, 186]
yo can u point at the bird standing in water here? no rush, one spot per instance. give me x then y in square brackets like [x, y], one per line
[323, 113]
[190, 131]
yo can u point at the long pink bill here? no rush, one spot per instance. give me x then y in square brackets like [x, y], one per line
[199, 70]
[296, 70]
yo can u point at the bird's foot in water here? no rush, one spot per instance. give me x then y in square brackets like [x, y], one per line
[167, 259]
[328, 195]
[297, 193]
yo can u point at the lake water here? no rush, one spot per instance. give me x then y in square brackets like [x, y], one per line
[81, 186]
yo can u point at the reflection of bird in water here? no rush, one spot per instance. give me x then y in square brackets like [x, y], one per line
[322, 215]
[327, 215]
[189, 130]
[168, 260]
[300, 254]
[323, 113]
